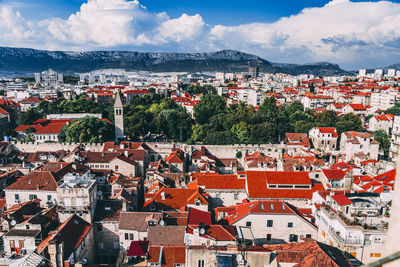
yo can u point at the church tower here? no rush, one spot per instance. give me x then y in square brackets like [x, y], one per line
[118, 118]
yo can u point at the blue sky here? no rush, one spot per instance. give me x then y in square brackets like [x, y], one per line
[353, 34]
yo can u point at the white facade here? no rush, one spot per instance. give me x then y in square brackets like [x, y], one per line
[359, 142]
[383, 100]
[365, 245]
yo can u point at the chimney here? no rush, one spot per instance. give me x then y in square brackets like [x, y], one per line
[60, 254]
[126, 153]
[163, 195]
[52, 250]
[121, 146]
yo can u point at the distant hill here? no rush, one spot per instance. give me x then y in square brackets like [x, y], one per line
[318, 69]
[20, 61]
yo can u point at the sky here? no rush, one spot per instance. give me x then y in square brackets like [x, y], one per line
[353, 34]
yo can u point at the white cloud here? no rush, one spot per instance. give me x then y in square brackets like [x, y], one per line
[342, 31]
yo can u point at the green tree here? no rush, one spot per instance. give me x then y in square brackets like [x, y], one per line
[384, 140]
[349, 122]
[27, 118]
[327, 118]
[394, 110]
[87, 130]
[241, 131]
[209, 105]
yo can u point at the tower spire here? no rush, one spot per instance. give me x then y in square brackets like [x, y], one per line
[118, 118]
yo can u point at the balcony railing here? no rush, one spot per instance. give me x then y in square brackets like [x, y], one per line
[343, 241]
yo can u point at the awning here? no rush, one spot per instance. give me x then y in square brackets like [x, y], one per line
[138, 248]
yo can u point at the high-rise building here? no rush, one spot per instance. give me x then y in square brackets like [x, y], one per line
[391, 73]
[253, 71]
[118, 118]
[37, 78]
[378, 73]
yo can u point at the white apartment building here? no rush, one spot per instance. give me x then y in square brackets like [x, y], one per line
[395, 141]
[382, 122]
[77, 195]
[366, 245]
[316, 101]
[270, 221]
[324, 138]
[352, 143]
[383, 100]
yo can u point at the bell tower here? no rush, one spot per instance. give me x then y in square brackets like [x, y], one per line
[118, 118]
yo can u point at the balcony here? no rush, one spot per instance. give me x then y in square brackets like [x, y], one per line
[345, 241]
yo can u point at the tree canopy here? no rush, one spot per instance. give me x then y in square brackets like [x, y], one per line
[87, 130]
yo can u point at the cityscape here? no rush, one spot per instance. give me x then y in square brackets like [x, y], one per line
[123, 143]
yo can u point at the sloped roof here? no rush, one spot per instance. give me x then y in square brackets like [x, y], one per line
[71, 232]
[166, 235]
[36, 180]
[334, 174]
[309, 254]
[218, 181]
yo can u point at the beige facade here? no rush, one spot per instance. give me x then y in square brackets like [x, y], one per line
[211, 256]
[77, 195]
[277, 228]
[364, 245]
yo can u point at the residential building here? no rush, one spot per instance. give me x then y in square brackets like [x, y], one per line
[381, 122]
[77, 194]
[270, 221]
[354, 144]
[324, 138]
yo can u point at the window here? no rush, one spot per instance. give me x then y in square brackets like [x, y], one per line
[27, 227]
[270, 223]
[317, 175]
[48, 197]
[269, 237]
[179, 265]
[235, 196]
[200, 263]
[131, 236]
[126, 236]
[308, 235]
[272, 206]
[116, 167]
[12, 245]
[248, 224]
[16, 196]
[32, 197]
[290, 225]
[293, 238]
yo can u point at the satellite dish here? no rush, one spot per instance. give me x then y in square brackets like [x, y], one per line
[202, 231]
[84, 261]
[162, 222]
[100, 193]
[13, 223]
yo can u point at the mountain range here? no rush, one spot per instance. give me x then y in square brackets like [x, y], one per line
[26, 61]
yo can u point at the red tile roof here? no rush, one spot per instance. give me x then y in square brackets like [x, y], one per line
[334, 174]
[138, 248]
[72, 232]
[257, 185]
[170, 255]
[328, 130]
[342, 200]
[218, 181]
[36, 180]
[309, 254]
